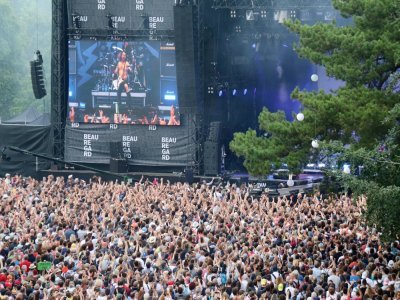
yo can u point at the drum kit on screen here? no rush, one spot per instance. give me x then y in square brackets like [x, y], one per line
[107, 80]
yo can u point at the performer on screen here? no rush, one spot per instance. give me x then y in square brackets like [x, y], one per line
[122, 70]
[173, 118]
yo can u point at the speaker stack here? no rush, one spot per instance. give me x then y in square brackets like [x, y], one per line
[189, 178]
[187, 53]
[118, 163]
[212, 150]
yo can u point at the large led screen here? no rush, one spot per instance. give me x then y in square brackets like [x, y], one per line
[122, 82]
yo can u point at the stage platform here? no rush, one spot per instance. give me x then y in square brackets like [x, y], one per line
[275, 187]
[130, 176]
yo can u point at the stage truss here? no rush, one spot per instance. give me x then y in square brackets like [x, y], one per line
[271, 4]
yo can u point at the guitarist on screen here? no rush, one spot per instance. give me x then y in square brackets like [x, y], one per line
[121, 83]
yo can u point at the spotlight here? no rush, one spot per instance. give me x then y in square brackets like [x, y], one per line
[250, 15]
[238, 29]
[234, 92]
[220, 93]
[244, 92]
[210, 89]
[233, 13]
[263, 14]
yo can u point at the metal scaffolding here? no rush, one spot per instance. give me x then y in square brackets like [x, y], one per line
[120, 35]
[271, 4]
[59, 78]
[199, 118]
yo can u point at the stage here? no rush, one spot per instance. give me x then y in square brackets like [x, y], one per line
[129, 176]
[274, 187]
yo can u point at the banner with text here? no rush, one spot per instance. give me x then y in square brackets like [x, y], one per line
[122, 14]
[140, 145]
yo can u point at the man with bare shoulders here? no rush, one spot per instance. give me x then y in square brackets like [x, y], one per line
[122, 70]
[173, 118]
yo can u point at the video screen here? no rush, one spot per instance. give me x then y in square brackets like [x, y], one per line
[122, 82]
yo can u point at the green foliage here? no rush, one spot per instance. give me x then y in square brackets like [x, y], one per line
[383, 209]
[286, 144]
[378, 178]
[363, 115]
[20, 36]
[364, 54]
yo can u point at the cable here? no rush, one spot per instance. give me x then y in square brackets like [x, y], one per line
[37, 24]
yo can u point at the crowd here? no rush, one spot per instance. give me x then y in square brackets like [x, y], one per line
[111, 240]
[155, 117]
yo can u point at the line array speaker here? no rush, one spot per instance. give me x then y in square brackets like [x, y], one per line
[212, 159]
[185, 51]
[118, 165]
[116, 150]
[214, 132]
[37, 77]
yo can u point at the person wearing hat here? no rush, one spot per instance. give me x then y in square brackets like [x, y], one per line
[262, 289]
[8, 178]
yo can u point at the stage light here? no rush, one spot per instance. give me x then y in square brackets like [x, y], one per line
[234, 92]
[210, 89]
[244, 92]
[346, 169]
[280, 15]
[70, 93]
[220, 93]
[238, 29]
[169, 97]
[250, 15]
[263, 14]
[233, 13]
[330, 16]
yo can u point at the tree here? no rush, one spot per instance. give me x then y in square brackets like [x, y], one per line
[366, 56]
[25, 28]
